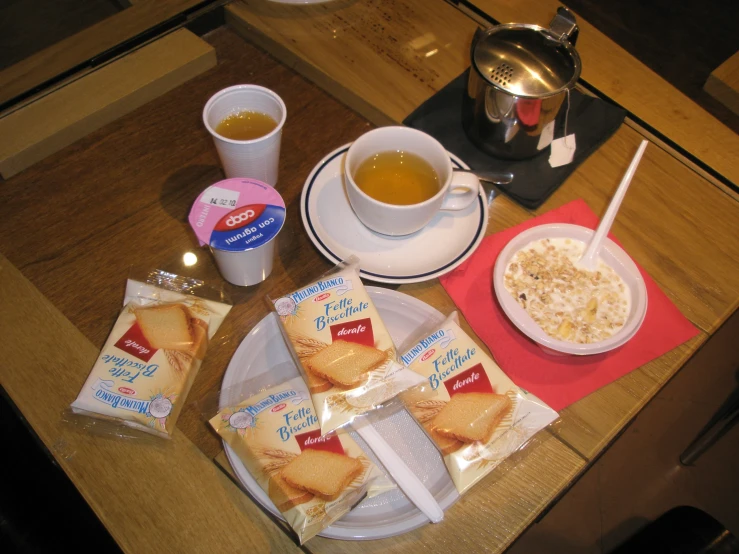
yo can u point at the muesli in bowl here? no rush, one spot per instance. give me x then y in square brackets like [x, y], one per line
[561, 306]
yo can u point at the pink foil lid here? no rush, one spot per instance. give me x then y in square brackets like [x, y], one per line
[226, 197]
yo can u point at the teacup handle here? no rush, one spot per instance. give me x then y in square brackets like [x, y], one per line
[461, 181]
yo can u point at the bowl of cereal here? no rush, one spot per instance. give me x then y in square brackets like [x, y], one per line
[561, 306]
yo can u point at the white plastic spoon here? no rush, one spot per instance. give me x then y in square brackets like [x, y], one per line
[590, 258]
[408, 481]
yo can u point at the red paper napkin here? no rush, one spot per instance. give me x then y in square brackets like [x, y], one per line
[557, 380]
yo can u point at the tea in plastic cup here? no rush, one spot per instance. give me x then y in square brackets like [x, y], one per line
[258, 156]
[240, 220]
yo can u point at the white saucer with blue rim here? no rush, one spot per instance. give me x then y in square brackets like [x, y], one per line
[447, 241]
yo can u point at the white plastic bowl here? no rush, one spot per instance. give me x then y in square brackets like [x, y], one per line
[611, 254]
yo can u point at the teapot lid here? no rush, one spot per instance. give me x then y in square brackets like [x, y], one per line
[527, 61]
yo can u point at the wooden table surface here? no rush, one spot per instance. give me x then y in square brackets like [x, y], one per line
[421, 46]
[115, 203]
[91, 43]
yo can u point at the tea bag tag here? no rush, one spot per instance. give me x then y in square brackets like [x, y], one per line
[547, 134]
[563, 150]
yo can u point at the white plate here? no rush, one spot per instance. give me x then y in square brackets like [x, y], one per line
[611, 253]
[442, 245]
[389, 514]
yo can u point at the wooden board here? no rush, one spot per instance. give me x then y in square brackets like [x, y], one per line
[723, 83]
[73, 111]
[381, 59]
[149, 496]
[591, 424]
[85, 45]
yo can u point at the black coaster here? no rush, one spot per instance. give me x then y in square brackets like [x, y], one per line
[591, 119]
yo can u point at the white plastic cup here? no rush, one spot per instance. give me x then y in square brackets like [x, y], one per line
[258, 158]
[457, 190]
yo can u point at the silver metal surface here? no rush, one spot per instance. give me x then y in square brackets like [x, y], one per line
[526, 61]
[519, 78]
[494, 177]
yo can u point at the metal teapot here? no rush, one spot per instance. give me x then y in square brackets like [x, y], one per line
[519, 78]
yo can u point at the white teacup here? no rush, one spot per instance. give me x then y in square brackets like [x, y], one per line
[457, 190]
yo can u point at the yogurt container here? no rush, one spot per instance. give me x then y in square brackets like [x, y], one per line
[240, 220]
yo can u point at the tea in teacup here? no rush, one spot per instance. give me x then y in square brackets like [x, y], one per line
[397, 177]
[396, 193]
[246, 125]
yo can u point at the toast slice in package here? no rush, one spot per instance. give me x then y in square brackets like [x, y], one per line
[312, 480]
[146, 367]
[472, 411]
[341, 346]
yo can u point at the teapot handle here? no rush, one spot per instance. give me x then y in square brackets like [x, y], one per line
[564, 26]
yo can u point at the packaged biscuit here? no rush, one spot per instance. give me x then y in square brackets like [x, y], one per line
[342, 347]
[312, 480]
[145, 370]
[468, 406]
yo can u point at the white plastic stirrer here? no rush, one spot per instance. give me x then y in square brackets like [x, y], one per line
[590, 258]
[408, 481]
